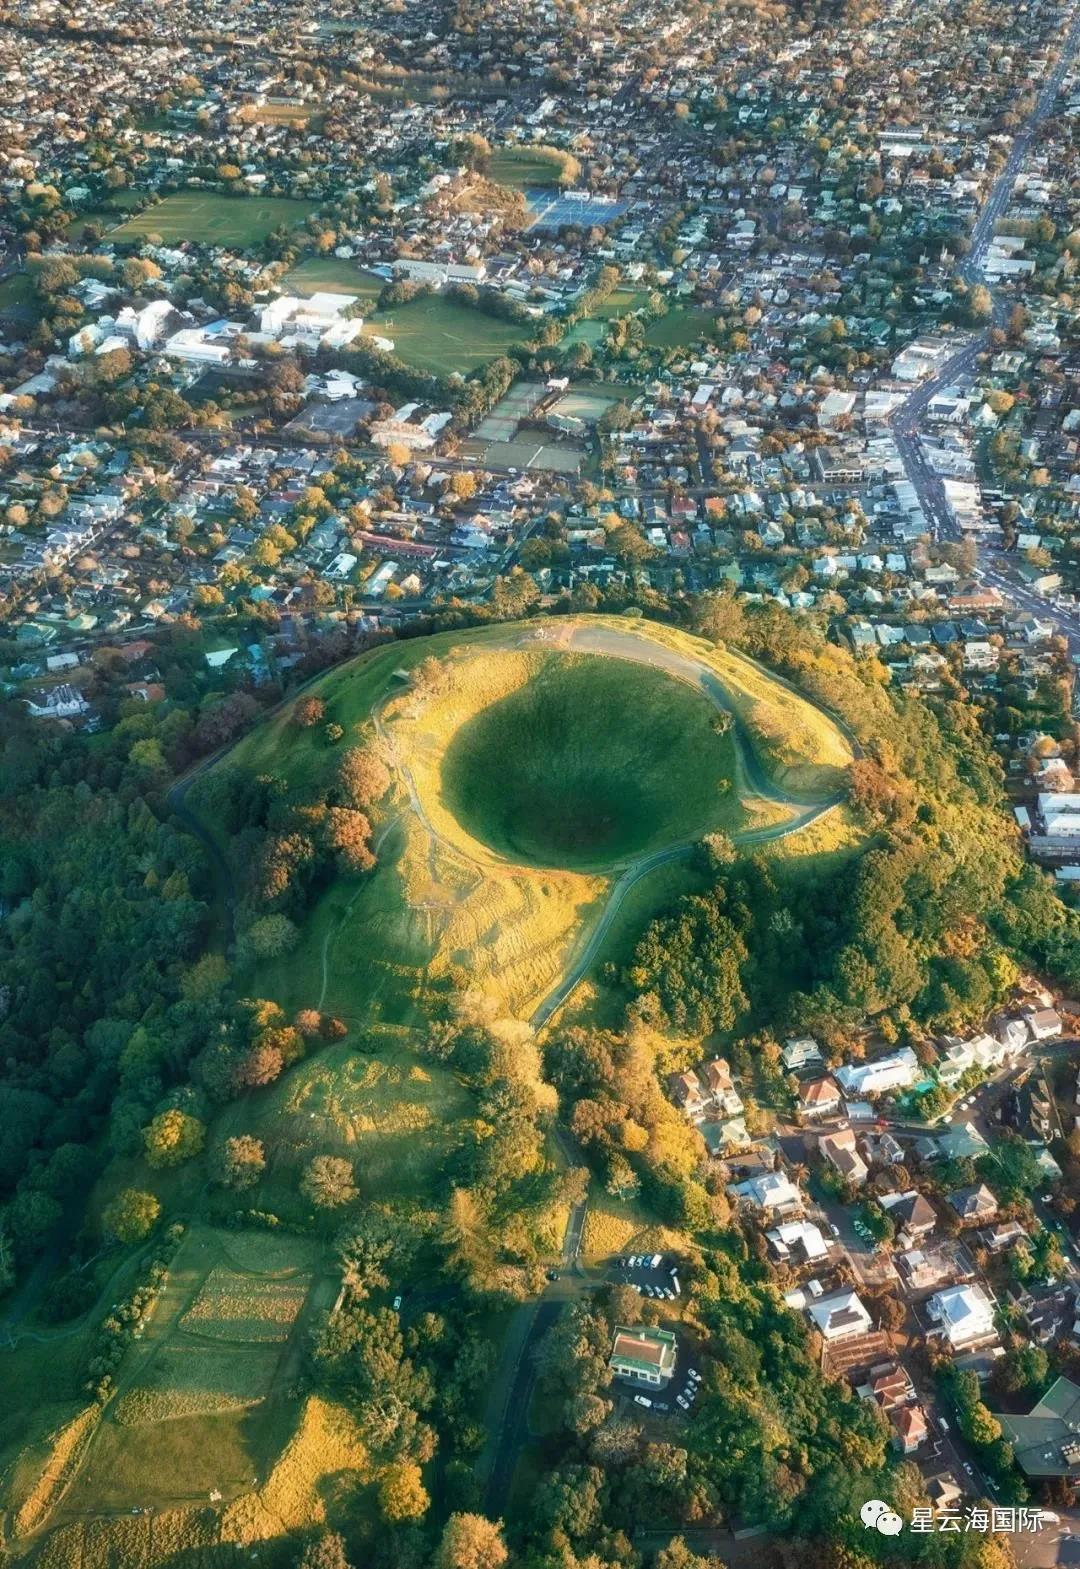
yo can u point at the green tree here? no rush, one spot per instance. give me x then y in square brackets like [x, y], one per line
[131, 1215]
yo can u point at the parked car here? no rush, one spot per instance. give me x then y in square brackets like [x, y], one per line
[397, 1304]
[693, 1373]
[643, 1400]
[680, 1400]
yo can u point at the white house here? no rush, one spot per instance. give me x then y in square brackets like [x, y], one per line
[898, 1071]
[803, 1052]
[769, 1193]
[59, 702]
[962, 1315]
[798, 1238]
[840, 1316]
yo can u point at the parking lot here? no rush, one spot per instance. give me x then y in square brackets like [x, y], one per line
[652, 1275]
[655, 1277]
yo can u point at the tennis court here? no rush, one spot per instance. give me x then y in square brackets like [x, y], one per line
[554, 209]
[502, 422]
[532, 452]
[588, 406]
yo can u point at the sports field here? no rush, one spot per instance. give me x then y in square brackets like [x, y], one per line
[522, 167]
[209, 218]
[588, 403]
[679, 328]
[332, 274]
[620, 302]
[441, 336]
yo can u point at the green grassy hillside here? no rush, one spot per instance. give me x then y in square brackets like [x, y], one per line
[574, 768]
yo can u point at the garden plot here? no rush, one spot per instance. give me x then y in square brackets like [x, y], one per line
[249, 1309]
[188, 1378]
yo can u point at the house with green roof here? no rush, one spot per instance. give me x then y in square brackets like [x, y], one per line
[646, 1356]
[1046, 1442]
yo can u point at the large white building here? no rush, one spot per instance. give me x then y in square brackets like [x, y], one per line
[438, 273]
[898, 1071]
[320, 318]
[210, 345]
[964, 1316]
[147, 326]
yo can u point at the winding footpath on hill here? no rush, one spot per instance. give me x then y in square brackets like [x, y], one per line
[616, 643]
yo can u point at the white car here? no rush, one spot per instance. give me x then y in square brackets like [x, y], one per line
[681, 1401]
[693, 1373]
[397, 1304]
[643, 1400]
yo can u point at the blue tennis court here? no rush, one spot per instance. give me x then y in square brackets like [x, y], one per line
[553, 209]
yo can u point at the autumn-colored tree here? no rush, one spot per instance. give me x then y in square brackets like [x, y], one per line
[402, 1495]
[307, 1021]
[329, 1181]
[471, 1541]
[260, 1064]
[325, 1552]
[240, 1162]
[363, 777]
[348, 833]
[172, 1138]
[276, 865]
[309, 712]
[332, 1029]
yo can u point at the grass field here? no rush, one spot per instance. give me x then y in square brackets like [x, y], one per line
[334, 274]
[209, 218]
[391, 1115]
[681, 326]
[204, 1402]
[620, 1225]
[521, 167]
[441, 336]
[249, 1310]
[569, 762]
[311, 1469]
[801, 747]
[620, 302]
[17, 295]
